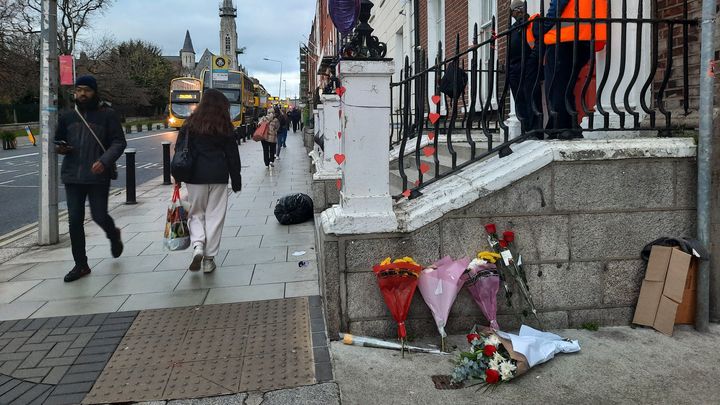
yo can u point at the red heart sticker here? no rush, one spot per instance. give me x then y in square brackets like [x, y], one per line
[339, 134]
[429, 151]
[424, 168]
[436, 99]
[339, 158]
[434, 117]
[339, 184]
[406, 193]
[431, 135]
[417, 183]
[340, 91]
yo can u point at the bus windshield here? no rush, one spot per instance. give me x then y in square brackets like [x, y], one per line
[235, 112]
[183, 110]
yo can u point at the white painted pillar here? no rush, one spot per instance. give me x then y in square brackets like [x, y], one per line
[319, 124]
[330, 169]
[365, 202]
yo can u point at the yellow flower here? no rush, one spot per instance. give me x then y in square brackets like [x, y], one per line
[489, 256]
[386, 261]
[406, 259]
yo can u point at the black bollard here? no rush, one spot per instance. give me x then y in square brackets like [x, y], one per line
[166, 162]
[130, 176]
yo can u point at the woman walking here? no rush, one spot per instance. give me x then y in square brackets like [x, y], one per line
[215, 157]
[282, 132]
[269, 143]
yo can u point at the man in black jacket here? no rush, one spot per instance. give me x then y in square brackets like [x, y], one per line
[523, 70]
[92, 139]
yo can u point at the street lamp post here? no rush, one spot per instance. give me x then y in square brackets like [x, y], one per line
[280, 86]
[285, 81]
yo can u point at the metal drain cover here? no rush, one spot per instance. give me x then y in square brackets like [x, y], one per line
[443, 382]
[196, 352]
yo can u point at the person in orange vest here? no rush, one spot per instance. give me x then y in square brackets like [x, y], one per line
[523, 64]
[568, 49]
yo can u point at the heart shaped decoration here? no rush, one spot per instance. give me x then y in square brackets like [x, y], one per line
[406, 193]
[429, 151]
[434, 117]
[340, 91]
[431, 135]
[417, 183]
[339, 134]
[339, 158]
[424, 168]
[436, 99]
[338, 184]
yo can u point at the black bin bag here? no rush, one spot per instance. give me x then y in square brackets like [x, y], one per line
[294, 209]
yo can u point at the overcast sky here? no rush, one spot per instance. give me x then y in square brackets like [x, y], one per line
[271, 29]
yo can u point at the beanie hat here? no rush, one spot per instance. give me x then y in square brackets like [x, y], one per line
[88, 81]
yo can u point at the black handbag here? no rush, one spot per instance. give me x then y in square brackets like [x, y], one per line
[182, 162]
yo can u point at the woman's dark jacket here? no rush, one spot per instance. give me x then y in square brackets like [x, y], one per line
[215, 158]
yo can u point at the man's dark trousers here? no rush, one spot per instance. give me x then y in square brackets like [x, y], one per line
[97, 195]
[560, 72]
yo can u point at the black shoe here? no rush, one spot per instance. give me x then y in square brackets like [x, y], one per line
[77, 272]
[567, 135]
[116, 245]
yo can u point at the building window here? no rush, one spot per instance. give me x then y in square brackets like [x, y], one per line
[227, 44]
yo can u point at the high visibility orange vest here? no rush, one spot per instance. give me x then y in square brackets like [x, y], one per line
[567, 28]
[529, 35]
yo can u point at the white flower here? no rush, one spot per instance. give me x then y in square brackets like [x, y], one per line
[506, 370]
[493, 340]
[494, 364]
[498, 357]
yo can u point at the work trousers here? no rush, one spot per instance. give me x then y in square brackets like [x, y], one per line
[268, 152]
[525, 97]
[561, 75]
[208, 205]
[296, 124]
[97, 195]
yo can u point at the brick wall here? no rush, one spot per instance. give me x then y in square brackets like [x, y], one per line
[423, 23]
[456, 23]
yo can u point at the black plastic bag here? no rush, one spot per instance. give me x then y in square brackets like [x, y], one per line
[294, 209]
[454, 82]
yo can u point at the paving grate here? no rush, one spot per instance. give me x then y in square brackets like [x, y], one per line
[211, 350]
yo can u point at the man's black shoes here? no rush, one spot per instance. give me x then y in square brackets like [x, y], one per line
[116, 245]
[77, 272]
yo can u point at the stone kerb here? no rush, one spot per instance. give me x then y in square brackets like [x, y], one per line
[580, 220]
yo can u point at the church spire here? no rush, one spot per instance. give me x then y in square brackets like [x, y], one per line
[228, 9]
[187, 46]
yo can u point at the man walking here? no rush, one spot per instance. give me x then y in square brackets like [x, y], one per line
[523, 68]
[92, 139]
[295, 118]
[567, 50]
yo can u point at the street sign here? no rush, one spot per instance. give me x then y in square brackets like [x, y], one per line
[220, 65]
[67, 71]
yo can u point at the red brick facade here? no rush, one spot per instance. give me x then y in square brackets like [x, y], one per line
[456, 22]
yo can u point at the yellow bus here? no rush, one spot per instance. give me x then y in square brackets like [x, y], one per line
[233, 89]
[185, 95]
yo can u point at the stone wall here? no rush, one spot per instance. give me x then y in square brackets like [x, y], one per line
[325, 194]
[580, 226]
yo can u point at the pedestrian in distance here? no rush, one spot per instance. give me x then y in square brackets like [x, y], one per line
[215, 158]
[282, 131]
[91, 138]
[295, 118]
[270, 142]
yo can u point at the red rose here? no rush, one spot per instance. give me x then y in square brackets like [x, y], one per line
[489, 350]
[490, 228]
[472, 337]
[492, 376]
[503, 243]
[509, 236]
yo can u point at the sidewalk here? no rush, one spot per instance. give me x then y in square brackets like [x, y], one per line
[258, 259]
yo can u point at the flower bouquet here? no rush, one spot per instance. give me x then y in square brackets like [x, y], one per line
[397, 281]
[483, 282]
[496, 357]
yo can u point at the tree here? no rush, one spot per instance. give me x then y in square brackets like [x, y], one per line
[74, 16]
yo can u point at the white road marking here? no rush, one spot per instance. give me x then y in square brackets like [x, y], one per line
[6, 182]
[18, 156]
[26, 174]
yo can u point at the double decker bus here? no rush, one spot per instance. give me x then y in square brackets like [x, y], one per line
[184, 97]
[232, 88]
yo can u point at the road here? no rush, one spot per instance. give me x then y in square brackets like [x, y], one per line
[19, 176]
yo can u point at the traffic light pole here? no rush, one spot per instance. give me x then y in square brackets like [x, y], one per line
[48, 232]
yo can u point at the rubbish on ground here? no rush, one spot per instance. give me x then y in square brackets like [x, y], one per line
[303, 263]
[498, 357]
[439, 285]
[663, 288]
[397, 281]
[294, 209]
[365, 341]
[299, 253]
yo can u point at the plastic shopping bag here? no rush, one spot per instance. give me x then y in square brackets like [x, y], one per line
[177, 233]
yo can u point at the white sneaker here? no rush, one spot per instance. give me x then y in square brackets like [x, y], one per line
[277, 157]
[198, 253]
[208, 265]
[272, 164]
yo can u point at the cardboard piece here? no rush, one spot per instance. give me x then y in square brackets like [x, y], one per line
[686, 310]
[662, 289]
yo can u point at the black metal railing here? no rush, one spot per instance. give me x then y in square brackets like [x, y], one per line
[442, 121]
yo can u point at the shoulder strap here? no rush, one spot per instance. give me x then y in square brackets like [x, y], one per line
[91, 130]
